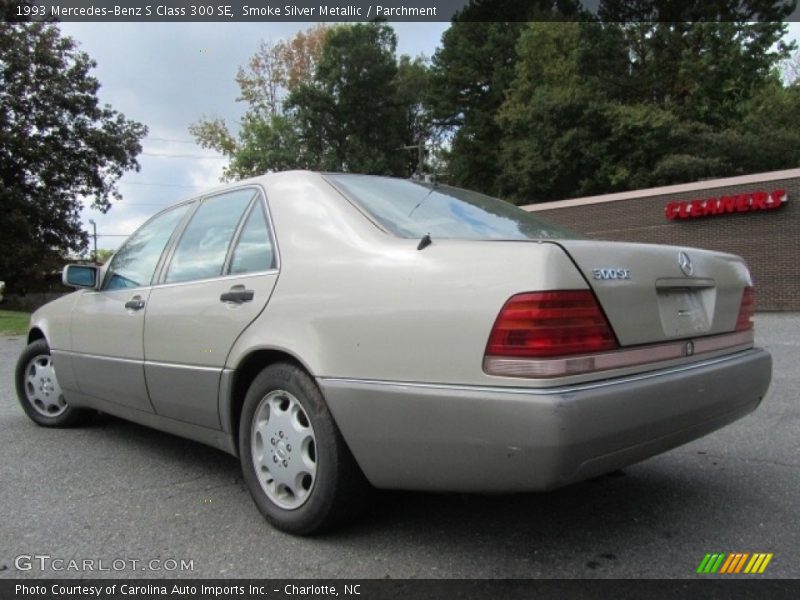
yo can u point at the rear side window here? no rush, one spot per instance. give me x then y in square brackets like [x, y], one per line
[254, 251]
[135, 262]
[201, 251]
[412, 209]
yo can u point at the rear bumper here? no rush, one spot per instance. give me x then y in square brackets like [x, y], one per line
[496, 439]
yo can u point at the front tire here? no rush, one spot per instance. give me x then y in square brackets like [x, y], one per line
[39, 392]
[295, 462]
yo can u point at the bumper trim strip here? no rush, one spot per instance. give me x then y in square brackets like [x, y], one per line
[531, 391]
[591, 363]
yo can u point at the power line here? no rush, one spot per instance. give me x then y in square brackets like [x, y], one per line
[176, 185]
[166, 155]
[159, 139]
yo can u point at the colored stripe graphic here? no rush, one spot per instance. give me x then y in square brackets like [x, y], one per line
[749, 568]
[734, 562]
[759, 563]
[703, 563]
[728, 565]
[719, 563]
[715, 563]
[741, 563]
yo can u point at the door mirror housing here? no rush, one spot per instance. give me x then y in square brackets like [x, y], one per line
[81, 276]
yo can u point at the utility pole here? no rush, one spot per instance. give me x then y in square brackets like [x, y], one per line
[420, 148]
[94, 237]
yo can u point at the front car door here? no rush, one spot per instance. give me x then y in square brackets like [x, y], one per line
[107, 326]
[217, 280]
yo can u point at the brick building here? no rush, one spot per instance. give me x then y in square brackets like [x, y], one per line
[754, 216]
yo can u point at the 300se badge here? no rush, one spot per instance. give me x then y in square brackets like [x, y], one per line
[298, 321]
[611, 273]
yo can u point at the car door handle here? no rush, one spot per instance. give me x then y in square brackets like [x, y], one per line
[135, 303]
[237, 294]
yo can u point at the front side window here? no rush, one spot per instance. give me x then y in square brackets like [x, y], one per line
[254, 251]
[412, 209]
[201, 251]
[135, 262]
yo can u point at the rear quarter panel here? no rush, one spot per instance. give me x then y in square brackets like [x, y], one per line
[352, 301]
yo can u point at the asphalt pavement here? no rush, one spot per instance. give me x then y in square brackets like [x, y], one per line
[116, 491]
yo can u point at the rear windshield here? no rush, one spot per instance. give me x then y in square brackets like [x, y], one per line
[411, 209]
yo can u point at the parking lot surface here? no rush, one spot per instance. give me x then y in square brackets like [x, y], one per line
[117, 491]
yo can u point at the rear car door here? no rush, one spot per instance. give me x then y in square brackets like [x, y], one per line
[216, 281]
[107, 325]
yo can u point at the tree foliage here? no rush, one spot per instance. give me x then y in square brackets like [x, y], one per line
[600, 107]
[470, 74]
[348, 113]
[278, 68]
[331, 98]
[57, 144]
[534, 100]
[268, 140]
[103, 254]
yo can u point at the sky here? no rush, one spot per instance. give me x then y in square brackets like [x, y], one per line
[168, 75]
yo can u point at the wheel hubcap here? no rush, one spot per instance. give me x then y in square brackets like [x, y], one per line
[284, 449]
[41, 387]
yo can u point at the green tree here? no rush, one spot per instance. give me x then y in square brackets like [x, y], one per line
[564, 131]
[412, 82]
[103, 254]
[268, 139]
[597, 107]
[533, 112]
[57, 144]
[348, 114]
[332, 98]
[470, 74]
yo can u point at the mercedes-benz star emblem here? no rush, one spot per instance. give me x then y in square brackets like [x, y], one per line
[685, 263]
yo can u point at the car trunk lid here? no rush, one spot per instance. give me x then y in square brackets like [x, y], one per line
[653, 293]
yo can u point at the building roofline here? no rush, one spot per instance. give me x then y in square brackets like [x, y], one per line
[681, 188]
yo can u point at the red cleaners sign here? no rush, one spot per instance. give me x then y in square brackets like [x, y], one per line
[749, 202]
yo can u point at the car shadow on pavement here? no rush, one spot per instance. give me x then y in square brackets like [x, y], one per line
[643, 497]
[644, 504]
[588, 529]
[613, 525]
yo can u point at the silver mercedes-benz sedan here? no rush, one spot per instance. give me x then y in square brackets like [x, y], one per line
[342, 332]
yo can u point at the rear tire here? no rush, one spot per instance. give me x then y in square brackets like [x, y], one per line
[39, 392]
[295, 462]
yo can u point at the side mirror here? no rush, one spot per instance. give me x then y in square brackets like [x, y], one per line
[80, 276]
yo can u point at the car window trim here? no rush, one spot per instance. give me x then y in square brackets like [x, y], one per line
[164, 251]
[352, 202]
[162, 276]
[166, 256]
[265, 213]
[170, 284]
[169, 249]
[236, 234]
[275, 248]
[276, 254]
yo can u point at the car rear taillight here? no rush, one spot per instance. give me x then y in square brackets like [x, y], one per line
[747, 309]
[550, 324]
